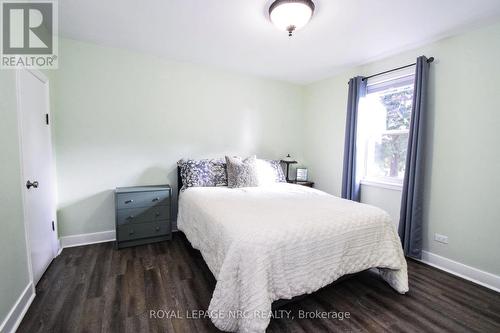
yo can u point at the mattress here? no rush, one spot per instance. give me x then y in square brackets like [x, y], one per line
[279, 241]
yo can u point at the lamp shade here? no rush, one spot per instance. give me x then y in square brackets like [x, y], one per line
[291, 15]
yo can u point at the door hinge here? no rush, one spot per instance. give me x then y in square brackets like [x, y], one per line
[53, 226]
[47, 118]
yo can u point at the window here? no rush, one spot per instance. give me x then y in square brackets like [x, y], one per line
[384, 123]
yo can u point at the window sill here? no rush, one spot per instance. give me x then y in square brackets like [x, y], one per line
[382, 184]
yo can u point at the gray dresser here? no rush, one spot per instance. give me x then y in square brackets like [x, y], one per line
[143, 214]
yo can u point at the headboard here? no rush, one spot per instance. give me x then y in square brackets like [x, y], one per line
[179, 180]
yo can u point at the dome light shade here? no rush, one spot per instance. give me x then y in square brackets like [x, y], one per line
[291, 15]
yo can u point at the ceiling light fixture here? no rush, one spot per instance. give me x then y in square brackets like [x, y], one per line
[291, 15]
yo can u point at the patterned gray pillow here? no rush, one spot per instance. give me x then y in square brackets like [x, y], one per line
[219, 172]
[241, 173]
[207, 172]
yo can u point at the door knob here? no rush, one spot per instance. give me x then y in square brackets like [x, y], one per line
[31, 184]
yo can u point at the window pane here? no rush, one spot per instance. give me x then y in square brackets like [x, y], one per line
[397, 102]
[389, 156]
[385, 122]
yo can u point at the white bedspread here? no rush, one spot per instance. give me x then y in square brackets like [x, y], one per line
[281, 241]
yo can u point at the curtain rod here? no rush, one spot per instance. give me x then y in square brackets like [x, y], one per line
[431, 59]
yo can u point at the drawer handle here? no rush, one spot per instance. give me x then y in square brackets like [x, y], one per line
[129, 201]
[131, 217]
[131, 232]
[157, 228]
[156, 199]
[157, 214]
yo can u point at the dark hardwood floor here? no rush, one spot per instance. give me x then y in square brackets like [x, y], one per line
[96, 288]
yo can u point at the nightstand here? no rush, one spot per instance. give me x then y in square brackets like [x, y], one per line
[303, 183]
[143, 215]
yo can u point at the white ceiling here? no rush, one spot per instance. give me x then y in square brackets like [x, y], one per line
[237, 34]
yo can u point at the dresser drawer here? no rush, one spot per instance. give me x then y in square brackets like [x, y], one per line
[142, 199]
[142, 214]
[143, 230]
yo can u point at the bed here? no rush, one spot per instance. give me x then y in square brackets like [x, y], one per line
[264, 244]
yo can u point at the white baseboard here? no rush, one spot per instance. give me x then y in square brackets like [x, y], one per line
[86, 239]
[17, 312]
[475, 275]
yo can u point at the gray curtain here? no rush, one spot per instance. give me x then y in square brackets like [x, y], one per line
[350, 183]
[410, 222]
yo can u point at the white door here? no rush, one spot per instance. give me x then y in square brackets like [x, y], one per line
[37, 168]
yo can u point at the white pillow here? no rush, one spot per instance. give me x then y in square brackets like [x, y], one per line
[266, 173]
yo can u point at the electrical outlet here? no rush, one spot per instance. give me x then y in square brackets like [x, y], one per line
[441, 238]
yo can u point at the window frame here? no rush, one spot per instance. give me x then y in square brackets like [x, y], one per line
[373, 85]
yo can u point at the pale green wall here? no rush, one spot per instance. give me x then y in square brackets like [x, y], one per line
[387, 199]
[124, 118]
[463, 179]
[14, 275]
